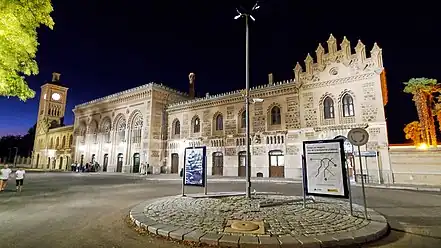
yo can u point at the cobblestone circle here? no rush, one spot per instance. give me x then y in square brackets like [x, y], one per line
[282, 215]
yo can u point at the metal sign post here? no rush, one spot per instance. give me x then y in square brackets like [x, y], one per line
[206, 176]
[359, 137]
[349, 187]
[303, 182]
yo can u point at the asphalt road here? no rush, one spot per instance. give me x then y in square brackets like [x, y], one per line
[63, 210]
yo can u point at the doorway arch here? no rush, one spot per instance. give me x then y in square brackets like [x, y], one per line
[119, 162]
[276, 164]
[218, 164]
[174, 163]
[242, 156]
[61, 163]
[136, 163]
[105, 162]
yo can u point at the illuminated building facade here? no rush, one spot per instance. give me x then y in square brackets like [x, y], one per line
[153, 124]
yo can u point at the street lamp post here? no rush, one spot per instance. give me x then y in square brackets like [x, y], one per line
[247, 98]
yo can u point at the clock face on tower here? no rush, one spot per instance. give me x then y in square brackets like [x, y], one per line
[56, 96]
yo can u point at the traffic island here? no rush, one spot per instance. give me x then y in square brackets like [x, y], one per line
[266, 220]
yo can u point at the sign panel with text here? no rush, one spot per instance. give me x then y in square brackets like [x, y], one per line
[194, 166]
[324, 170]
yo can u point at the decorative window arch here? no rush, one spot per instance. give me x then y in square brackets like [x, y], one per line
[176, 127]
[242, 119]
[348, 105]
[136, 127]
[70, 140]
[218, 122]
[328, 108]
[120, 128]
[196, 124]
[93, 130]
[63, 141]
[105, 128]
[51, 144]
[274, 114]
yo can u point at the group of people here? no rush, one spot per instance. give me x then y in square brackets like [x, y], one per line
[88, 167]
[6, 173]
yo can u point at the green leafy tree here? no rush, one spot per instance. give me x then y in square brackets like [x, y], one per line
[422, 90]
[19, 20]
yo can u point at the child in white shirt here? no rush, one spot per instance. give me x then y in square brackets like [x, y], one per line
[19, 178]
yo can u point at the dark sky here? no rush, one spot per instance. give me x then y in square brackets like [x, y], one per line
[101, 47]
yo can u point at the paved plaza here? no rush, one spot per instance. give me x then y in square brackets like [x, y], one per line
[90, 210]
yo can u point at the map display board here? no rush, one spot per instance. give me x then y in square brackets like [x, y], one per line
[194, 166]
[324, 170]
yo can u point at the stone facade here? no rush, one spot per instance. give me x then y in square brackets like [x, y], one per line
[338, 92]
[154, 124]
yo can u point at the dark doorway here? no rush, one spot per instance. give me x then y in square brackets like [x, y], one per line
[82, 160]
[276, 164]
[218, 164]
[105, 162]
[136, 162]
[242, 158]
[48, 163]
[174, 163]
[61, 163]
[119, 162]
[38, 160]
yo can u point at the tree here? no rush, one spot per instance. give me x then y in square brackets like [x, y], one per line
[423, 90]
[413, 132]
[19, 20]
[24, 144]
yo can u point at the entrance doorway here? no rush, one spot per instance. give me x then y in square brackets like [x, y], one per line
[277, 164]
[81, 160]
[218, 164]
[136, 162]
[38, 160]
[105, 162]
[242, 158]
[119, 162]
[61, 163]
[174, 163]
[48, 163]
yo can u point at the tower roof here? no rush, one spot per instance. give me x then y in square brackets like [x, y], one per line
[56, 80]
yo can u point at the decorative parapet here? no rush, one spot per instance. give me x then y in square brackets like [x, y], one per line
[60, 129]
[344, 55]
[259, 91]
[126, 94]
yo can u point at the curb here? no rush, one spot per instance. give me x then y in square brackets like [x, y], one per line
[376, 229]
[413, 188]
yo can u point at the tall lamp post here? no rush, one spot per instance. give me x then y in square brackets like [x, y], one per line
[247, 15]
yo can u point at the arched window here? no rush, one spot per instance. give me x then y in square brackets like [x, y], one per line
[63, 142]
[51, 144]
[196, 125]
[243, 120]
[177, 128]
[275, 116]
[348, 106]
[93, 129]
[106, 126]
[57, 142]
[328, 108]
[70, 140]
[120, 129]
[219, 123]
[136, 129]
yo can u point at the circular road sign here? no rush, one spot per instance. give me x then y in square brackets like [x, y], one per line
[358, 136]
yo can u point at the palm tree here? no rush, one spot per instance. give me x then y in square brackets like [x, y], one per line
[422, 90]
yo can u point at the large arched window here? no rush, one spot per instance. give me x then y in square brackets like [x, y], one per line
[243, 120]
[196, 124]
[70, 140]
[136, 129]
[275, 116]
[105, 128]
[63, 142]
[57, 143]
[328, 108]
[120, 128]
[348, 106]
[93, 130]
[219, 125]
[176, 127]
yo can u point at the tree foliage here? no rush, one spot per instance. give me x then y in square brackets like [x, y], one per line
[413, 132]
[19, 20]
[425, 85]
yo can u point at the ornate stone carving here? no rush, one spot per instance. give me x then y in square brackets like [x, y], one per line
[292, 150]
[369, 91]
[230, 112]
[230, 152]
[369, 112]
[259, 150]
[258, 118]
[292, 115]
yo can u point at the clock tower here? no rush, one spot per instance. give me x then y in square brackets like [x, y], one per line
[52, 105]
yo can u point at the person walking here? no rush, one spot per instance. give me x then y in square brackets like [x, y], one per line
[5, 173]
[19, 178]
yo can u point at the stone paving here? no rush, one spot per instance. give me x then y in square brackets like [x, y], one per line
[202, 218]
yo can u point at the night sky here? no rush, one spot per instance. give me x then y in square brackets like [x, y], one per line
[101, 47]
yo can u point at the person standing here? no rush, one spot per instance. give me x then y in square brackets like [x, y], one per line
[19, 178]
[5, 173]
